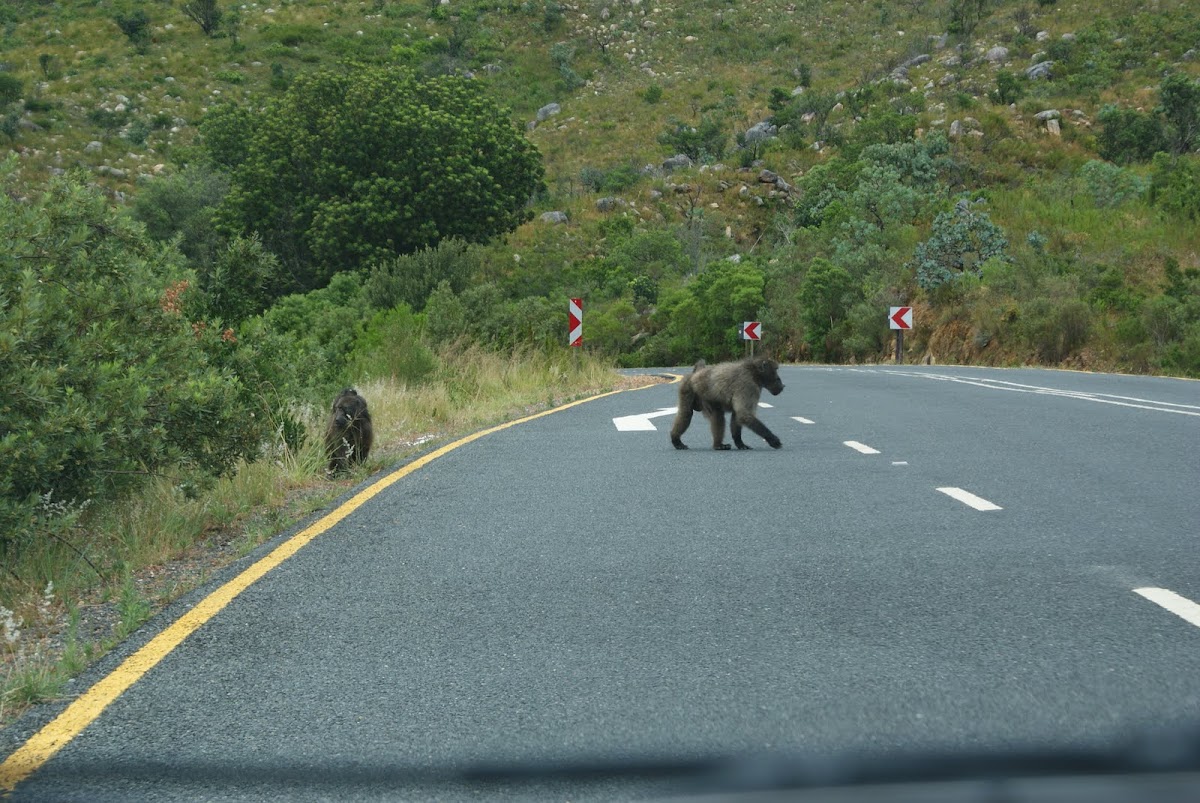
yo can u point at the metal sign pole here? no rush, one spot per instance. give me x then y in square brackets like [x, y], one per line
[899, 346]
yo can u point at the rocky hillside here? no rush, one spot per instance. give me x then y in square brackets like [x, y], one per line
[883, 143]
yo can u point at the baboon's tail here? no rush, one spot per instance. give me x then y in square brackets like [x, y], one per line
[699, 364]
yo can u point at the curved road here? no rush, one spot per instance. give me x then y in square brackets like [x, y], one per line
[564, 588]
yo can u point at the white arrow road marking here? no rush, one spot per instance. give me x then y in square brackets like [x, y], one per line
[641, 422]
[1181, 606]
[970, 499]
[802, 420]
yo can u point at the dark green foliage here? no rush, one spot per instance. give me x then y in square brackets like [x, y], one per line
[704, 142]
[323, 327]
[136, 27]
[961, 241]
[411, 278]
[1129, 136]
[1179, 104]
[225, 133]
[964, 16]
[445, 315]
[391, 348]
[358, 167]
[886, 127]
[1009, 88]
[182, 206]
[239, 280]
[1175, 185]
[105, 378]
[613, 179]
[205, 13]
[652, 94]
[11, 88]
[826, 294]
[1054, 328]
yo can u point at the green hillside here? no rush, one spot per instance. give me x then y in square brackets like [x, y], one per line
[1098, 265]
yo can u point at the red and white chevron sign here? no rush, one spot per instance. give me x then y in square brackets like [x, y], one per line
[575, 322]
[752, 330]
[900, 317]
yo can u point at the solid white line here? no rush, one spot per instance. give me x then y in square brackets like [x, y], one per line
[1181, 606]
[1099, 398]
[802, 420]
[970, 499]
[861, 447]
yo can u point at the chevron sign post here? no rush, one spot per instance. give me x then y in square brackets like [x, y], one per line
[900, 318]
[575, 322]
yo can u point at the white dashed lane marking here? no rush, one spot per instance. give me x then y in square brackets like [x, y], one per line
[802, 420]
[861, 447]
[1179, 605]
[970, 499]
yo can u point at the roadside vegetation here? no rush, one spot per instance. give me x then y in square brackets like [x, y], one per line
[216, 215]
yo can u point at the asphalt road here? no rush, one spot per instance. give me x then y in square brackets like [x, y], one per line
[563, 589]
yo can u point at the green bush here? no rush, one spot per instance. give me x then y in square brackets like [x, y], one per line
[1175, 185]
[11, 88]
[961, 241]
[391, 347]
[136, 27]
[701, 143]
[105, 378]
[1109, 185]
[411, 278]
[1128, 135]
[1055, 328]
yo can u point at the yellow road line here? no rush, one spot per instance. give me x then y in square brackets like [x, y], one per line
[78, 715]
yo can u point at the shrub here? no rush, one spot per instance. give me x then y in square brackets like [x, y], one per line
[104, 375]
[1175, 185]
[1109, 185]
[11, 88]
[706, 141]
[1055, 328]
[410, 279]
[1128, 135]
[960, 242]
[136, 27]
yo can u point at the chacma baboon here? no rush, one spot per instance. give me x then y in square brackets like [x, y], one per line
[348, 438]
[728, 387]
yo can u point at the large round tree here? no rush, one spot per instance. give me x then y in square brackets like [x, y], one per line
[355, 166]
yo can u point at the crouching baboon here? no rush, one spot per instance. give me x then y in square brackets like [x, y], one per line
[728, 387]
[348, 438]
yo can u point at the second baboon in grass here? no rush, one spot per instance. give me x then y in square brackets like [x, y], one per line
[348, 438]
[728, 387]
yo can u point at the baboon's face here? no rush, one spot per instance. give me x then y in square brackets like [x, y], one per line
[348, 408]
[766, 372]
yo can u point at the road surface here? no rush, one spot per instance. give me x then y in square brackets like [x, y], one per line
[941, 558]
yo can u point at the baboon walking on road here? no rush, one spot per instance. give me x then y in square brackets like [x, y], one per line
[348, 438]
[728, 387]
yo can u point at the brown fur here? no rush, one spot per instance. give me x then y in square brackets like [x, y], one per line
[349, 435]
[728, 387]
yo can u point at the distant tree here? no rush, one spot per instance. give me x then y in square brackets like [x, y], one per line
[960, 242]
[1179, 104]
[826, 294]
[136, 27]
[1128, 135]
[206, 14]
[356, 167]
[965, 16]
